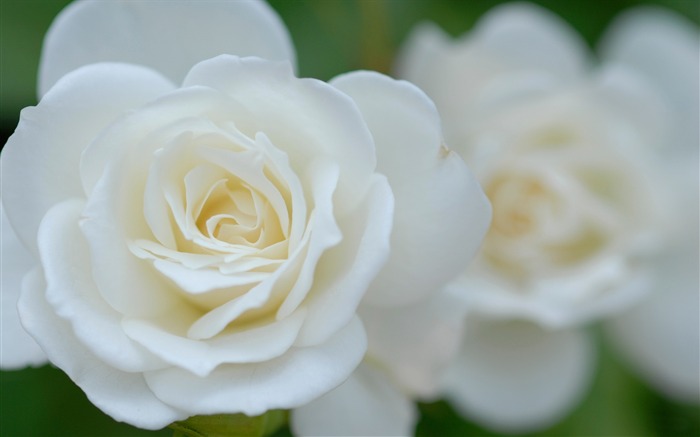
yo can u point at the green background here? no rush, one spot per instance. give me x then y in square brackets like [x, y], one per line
[331, 37]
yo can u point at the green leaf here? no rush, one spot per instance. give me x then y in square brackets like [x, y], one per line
[229, 425]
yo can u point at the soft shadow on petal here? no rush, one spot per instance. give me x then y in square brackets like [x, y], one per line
[528, 36]
[74, 296]
[441, 212]
[17, 348]
[415, 342]
[514, 376]
[659, 337]
[168, 36]
[124, 396]
[345, 272]
[367, 404]
[200, 357]
[292, 380]
[40, 162]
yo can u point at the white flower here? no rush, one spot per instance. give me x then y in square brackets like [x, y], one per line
[576, 162]
[206, 228]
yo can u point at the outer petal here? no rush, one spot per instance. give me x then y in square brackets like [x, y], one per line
[168, 36]
[441, 212]
[660, 44]
[292, 380]
[124, 396]
[664, 47]
[367, 404]
[74, 296]
[40, 162]
[415, 342]
[346, 271]
[17, 348]
[631, 96]
[424, 47]
[660, 336]
[515, 376]
[531, 37]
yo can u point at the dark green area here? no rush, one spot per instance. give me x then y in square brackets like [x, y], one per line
[332, 37]
[45, 402]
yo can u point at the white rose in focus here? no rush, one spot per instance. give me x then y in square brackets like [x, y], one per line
[575, 163]
[203, 248]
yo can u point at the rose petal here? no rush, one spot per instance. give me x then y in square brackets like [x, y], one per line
[531, 37]
[661, 45]
[592, 291]
[74, 296]
[421, 51]
[253, 345]
[517, 377]
[17, 348]
[169, 38]
[292, 380]
[635, 99]
[344, 273]
[280, 105]
[296, 274]
[440, 207]
[659, 336]
[123, 395]
[367, 404]
[415, 342]
[325, 234]
[40, 160]
[129, 284]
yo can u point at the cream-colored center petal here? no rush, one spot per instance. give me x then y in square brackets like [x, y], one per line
[238, 225]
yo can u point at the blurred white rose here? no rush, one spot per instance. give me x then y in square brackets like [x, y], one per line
[205, 235]
[581, 164]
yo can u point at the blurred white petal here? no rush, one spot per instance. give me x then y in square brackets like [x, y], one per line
[665, 47]
[532, 37]
[367, 404]
[416, 342]
[514, 376]
[660, 337]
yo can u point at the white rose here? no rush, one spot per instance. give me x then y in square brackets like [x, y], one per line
[203, 247]
[575, 164]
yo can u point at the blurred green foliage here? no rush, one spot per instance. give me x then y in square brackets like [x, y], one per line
[331, 37]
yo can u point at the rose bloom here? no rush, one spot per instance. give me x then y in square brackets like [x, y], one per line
[588, 170]
[188, 234]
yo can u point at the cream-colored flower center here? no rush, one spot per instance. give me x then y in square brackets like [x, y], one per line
[546, 218]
